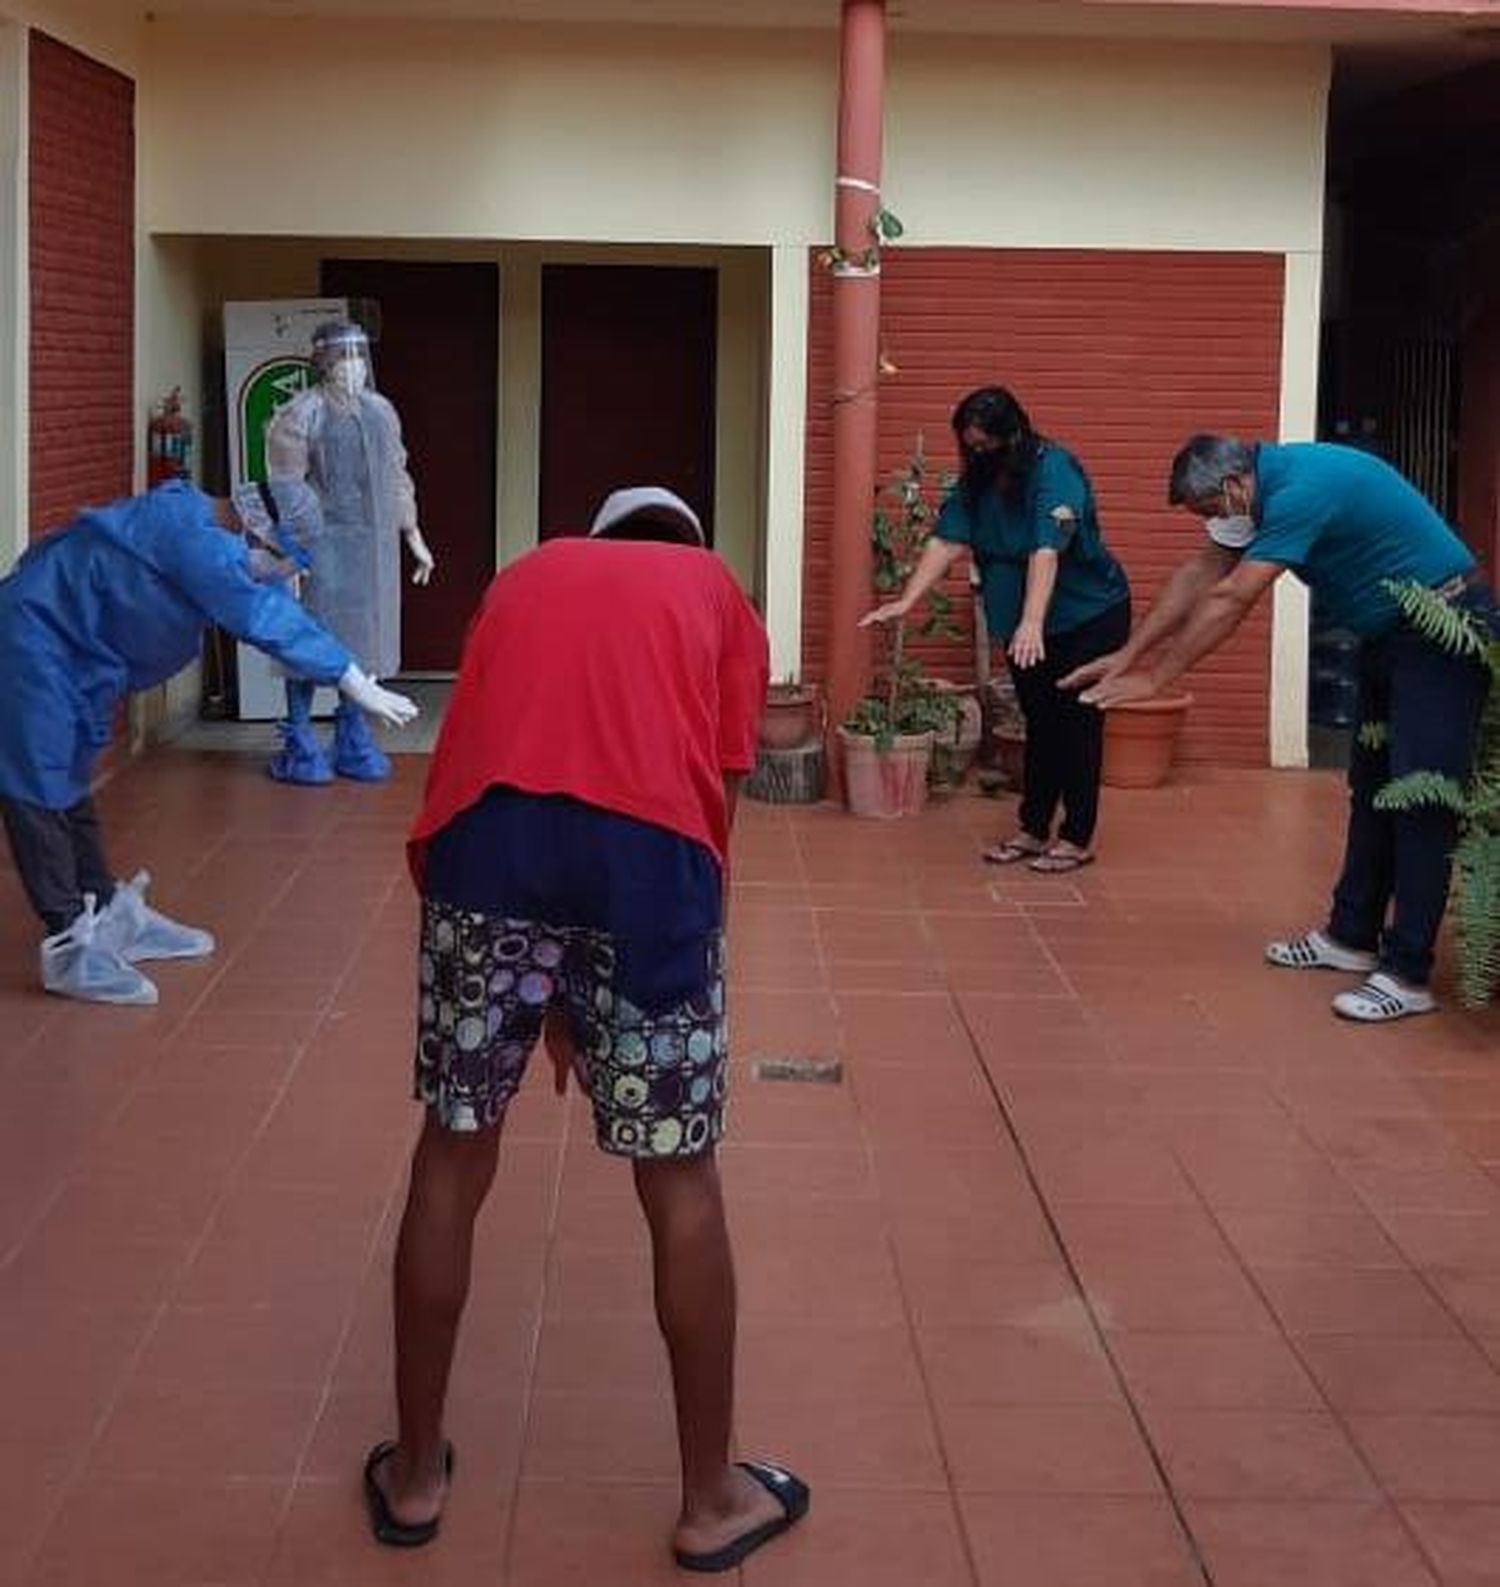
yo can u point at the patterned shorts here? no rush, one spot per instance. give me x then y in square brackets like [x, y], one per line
[657, 1080]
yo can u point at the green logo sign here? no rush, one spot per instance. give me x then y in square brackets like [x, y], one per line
[265, 389]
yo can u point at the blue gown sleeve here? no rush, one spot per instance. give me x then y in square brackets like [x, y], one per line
[213, 573]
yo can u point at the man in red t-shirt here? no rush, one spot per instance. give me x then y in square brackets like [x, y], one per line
[570, 854]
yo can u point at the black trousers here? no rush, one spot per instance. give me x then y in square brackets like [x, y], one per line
[1398, 861]
[59, 857]
[1064, 737]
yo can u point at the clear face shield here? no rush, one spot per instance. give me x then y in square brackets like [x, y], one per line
[341, 359]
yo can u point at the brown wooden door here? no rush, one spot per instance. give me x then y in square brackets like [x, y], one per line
[628, 373]
[436, 358]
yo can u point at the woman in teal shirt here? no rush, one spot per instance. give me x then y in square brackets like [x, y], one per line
[1053, 597]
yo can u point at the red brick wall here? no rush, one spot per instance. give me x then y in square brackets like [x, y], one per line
[1119, 356]
[82, 183]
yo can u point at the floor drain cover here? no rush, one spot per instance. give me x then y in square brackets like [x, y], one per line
[815, 1071]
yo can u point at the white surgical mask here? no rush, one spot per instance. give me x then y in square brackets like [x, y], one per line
[1233, 533]
[349, 376]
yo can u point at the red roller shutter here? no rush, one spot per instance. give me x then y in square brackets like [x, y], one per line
[1120, 356]
[82, 186]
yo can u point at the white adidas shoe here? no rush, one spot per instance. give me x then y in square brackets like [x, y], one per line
[1315, 951]
[1382, 997]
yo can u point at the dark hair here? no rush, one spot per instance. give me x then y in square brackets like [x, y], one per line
[995, 411]
[1204, 463]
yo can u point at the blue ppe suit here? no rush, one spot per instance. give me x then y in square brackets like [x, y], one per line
[119, 600]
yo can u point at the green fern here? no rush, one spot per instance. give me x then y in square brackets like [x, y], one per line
[1373, 735]
[1418, 789]
[1446, 625]
[1476, 858]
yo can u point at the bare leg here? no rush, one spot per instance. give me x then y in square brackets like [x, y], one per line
[450, 1176]
[695, 1307]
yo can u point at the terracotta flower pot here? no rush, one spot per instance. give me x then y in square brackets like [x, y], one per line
[1140, 740]
[885, 783]
[794, 716]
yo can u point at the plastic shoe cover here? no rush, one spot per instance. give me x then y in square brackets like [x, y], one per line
[136, 931]
[301, 759]
[75, 964]
[355, 752]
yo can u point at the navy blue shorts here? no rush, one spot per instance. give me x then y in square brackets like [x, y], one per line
[538, 903]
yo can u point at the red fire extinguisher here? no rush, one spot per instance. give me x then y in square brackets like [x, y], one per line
[169, 441]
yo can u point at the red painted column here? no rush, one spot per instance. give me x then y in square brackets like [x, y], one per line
[856, 353]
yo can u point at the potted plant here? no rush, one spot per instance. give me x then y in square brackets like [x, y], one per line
[793, 716]
[887, 739]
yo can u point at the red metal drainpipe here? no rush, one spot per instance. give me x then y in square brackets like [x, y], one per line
[856, 355]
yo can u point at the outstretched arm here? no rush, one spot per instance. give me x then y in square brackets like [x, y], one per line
[1211, 621]
[937, 557]
[1185, 588]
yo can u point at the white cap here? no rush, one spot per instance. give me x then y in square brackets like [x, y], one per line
[622, 504]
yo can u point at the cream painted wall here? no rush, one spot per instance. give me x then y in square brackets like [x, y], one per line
[721, 137]
[111, 34]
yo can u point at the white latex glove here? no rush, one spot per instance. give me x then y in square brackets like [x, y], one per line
[395, 710]
[421, 554]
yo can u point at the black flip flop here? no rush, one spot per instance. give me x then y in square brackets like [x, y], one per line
[385, 1526]
[790, 1492]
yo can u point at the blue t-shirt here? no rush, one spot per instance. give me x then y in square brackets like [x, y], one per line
[1345, 522]
[1056, 512]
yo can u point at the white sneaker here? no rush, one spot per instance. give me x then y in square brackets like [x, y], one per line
[1314, 951]
[1383, 997]
[74, 963]
[136, 931]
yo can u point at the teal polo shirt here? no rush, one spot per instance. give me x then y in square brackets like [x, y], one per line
[1002, 534]
[1345, 522]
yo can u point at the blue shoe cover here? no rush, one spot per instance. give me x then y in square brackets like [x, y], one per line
[355, 753]
[74, 964]
[301, 759]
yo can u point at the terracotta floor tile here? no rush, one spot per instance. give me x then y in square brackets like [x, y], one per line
[1383, 1374]
[582, 1534]
[325, 1540]
[1012, 1231]
[1438, 1458]
[1197, 1296]
[1099, 1169]
[1060, 1365]
[173, 1534]
[1066, 1541]
[1461, 1540]
[847, 1443]
[948, 1290]
[820, 1362]
[1291, 1236]
[1223, 1371]
[221, 1347]
[1316, 1300]
[1257, 1454]
[486, 1432]
[877, 1539]
[621, 1437]
[177, 1433]
[1252, 1544]
[1074, 1449]
[941, 1180]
